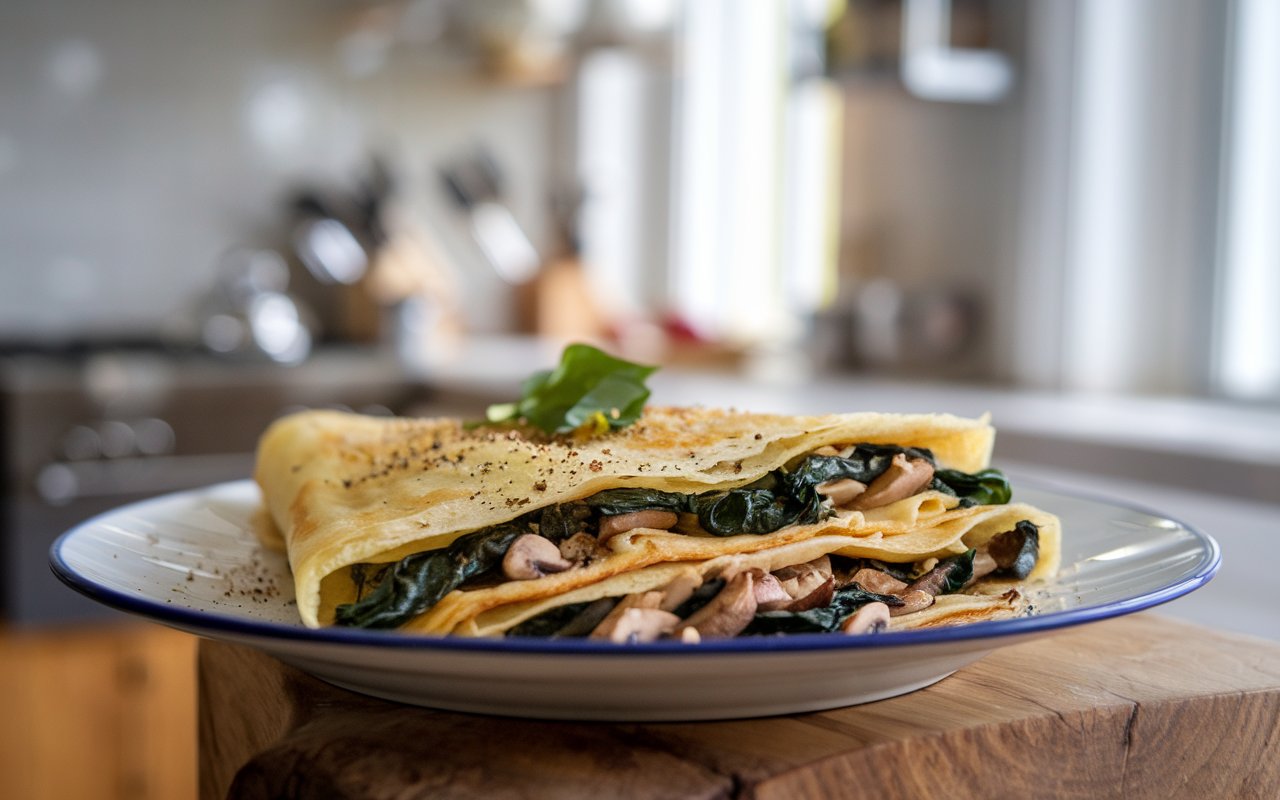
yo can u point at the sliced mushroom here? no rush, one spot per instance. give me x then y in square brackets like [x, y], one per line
[1016, 551]
[873, 580]
[635, 625]
[680, 589]
[770, 594]
[871, 618]
[728, 613]
[936, 579]
[822, 564]
[841, 491]
[810, 585]
[903, 478]
[613, 525]
[639, 600]
[581, 548]
[983, 565]
[913, 600]
[532, 556]
[819, 596]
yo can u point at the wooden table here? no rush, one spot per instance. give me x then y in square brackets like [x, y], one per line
[1135, 707]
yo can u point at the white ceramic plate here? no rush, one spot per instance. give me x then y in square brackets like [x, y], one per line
[190, 560]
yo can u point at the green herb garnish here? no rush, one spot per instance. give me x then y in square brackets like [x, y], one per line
[590, 389]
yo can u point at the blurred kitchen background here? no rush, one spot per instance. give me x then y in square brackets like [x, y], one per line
[1066, 213]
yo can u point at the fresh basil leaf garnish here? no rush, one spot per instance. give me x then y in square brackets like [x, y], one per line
[588, 386]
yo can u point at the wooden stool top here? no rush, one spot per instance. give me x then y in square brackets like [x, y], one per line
[1140, 706]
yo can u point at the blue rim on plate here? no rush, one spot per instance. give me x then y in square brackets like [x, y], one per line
[205, 621]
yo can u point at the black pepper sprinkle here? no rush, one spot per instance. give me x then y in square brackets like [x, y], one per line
[540, 486]
[759, 436]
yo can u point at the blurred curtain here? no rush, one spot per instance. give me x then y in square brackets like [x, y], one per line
[1121, 182]
[756, 140]
[1150, 248]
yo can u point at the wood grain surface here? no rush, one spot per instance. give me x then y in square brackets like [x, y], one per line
[1132, 708]
[102, 713]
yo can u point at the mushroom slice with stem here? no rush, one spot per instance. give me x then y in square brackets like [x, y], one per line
[874, 580]
[948, 576]
[879, 582]
[819, 595]
[728, 613]
[532, 556]
[810, 585]
[913, 600]
[636, 625]
[639, 600]
[770, 593]
[903, 478]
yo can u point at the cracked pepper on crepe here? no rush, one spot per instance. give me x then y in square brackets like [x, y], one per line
[352, 494]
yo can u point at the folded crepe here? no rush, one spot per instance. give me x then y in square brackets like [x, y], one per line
[406, 523]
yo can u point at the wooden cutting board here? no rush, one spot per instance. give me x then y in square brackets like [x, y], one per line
[1136, 707]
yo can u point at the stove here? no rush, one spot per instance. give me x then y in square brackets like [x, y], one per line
[84, 432]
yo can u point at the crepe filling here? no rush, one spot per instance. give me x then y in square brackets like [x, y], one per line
[830, 593]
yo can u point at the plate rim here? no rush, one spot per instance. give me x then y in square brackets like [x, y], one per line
[213, 625]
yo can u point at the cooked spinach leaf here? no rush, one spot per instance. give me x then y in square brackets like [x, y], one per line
[548, 622]
[866, 463]
[588, 386]
[417, 582]
[755, 510]
[986, 487]
[846, 601]
[721, 513]
[626, 501]
[560, 521]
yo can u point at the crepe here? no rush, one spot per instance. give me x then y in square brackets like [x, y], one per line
[348, 492]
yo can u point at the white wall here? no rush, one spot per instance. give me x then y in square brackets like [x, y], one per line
[138, 140]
